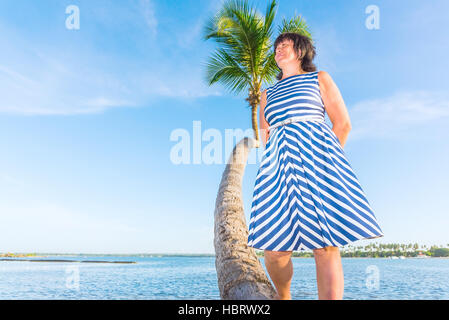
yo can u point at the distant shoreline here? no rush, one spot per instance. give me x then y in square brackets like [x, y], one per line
[373, 250]
[44, 255]
[37, 258]
[53, 260]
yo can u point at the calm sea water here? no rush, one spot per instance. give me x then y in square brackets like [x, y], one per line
[195, 278]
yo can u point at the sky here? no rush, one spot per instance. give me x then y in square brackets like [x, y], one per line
[89, 118]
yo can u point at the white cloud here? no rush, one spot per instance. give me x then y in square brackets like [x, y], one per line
[149, 15]
[11, 181]
[181, 84]
[53, 82]
[328, 46]
[388, 116]
[59, 93]
[187, 37]
[47, 79]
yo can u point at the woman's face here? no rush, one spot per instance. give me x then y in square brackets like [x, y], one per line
[285, 53]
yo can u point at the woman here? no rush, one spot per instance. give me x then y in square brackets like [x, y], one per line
[306, 195]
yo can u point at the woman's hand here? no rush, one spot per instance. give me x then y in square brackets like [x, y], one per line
[335, 107]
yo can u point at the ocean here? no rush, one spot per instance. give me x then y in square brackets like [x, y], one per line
[194, 278]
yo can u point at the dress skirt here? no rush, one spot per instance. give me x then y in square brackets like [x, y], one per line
[306, 194]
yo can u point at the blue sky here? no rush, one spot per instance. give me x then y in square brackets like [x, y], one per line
[86, 117]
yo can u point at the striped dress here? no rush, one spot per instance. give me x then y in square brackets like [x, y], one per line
[306, 195]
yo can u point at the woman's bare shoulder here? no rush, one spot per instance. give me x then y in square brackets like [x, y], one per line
[325, 80]
[323, 75]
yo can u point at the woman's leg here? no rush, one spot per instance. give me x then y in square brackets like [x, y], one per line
[329, 273]
[280, 268]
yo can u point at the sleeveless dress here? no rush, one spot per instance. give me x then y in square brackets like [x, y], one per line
[306, 195]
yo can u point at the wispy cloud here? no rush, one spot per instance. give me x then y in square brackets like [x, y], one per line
[191, 35]
[388, 116]
[56, 96]
[9, 180]
[71, 93]
[149, 15]
[50, 79]
[328, 46]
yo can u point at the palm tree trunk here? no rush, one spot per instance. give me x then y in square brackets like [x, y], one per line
[239, 271]
[254, 123]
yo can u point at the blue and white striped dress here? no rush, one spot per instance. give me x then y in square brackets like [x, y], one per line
[306, 195]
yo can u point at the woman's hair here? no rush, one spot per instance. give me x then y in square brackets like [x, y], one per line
[302, 43]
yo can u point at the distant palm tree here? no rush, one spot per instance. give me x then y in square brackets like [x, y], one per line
[243, 61]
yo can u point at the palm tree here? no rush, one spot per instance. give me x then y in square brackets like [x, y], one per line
[245, 58]
[243, 61]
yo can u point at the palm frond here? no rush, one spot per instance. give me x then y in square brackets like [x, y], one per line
[224, 68]
[244, 58]
[297, 24]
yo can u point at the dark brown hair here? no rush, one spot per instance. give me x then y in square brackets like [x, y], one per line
[300, 42]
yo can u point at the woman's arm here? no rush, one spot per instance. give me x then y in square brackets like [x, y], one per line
[335, 107]
[262, 121]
